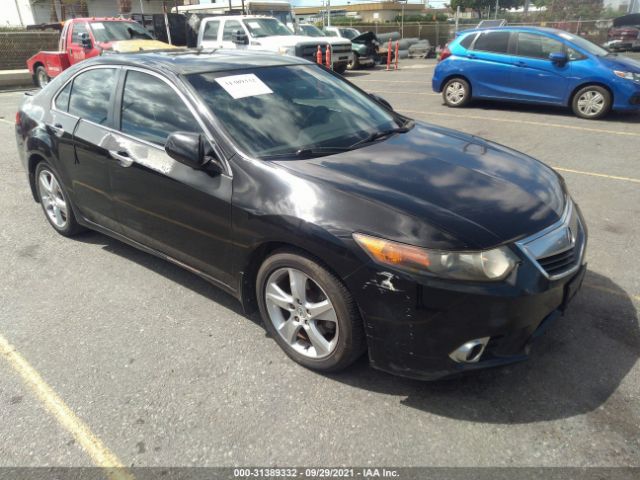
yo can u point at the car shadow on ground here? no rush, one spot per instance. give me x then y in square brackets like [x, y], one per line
[494, 106]
[574, 368]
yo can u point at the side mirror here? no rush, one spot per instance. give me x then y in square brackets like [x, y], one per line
[239, 37]
[559, 58]
[192, 150]
[381, 101]
[85, 40]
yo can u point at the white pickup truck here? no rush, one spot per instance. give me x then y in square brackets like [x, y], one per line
[267, 33]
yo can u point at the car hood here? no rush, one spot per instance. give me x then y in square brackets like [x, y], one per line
[366, 37]
[621, 63]
[479, 192]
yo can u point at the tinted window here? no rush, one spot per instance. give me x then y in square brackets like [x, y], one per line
[537, 46]
[496, 42]
[62, 100]
[91, 93]
[114, 31]
[231, 26]
[151, 109]
[468, 40]
[78, 29]
[211, 30]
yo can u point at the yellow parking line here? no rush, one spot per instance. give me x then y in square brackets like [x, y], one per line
[99, 453]
[594, 174]
[524, 122]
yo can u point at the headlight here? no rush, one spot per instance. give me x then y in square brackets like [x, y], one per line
[628, 75]
[488, 265]
[287, 50]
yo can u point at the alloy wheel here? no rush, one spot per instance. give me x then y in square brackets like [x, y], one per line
[455, 93]
[302, 313]
[53, 199]
[591, 103]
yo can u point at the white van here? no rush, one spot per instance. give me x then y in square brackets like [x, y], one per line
[266, 33]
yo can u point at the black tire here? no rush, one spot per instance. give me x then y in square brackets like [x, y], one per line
[70, 226]
[350, 343]
[460, 85]
[341, 68]
[598, 109]
[354, 64]
[41, 77]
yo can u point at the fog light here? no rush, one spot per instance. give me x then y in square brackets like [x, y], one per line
[471, 351]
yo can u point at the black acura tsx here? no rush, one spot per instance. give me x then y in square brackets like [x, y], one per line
[350, 227]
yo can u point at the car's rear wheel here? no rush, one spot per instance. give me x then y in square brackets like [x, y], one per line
[42, 79]
[55, 202]
[309, 312]
[456, 93]
[591, 102]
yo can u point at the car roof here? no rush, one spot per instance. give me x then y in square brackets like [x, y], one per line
[234, 17]
[554, 31]
[197, 60]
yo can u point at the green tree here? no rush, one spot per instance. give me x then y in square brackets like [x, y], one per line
[572, 9]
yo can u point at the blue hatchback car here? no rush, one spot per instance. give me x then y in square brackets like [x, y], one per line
[537, 65]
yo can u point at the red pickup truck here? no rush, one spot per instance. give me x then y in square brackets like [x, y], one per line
[83, 38]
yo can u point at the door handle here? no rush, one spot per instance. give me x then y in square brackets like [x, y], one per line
[123, 157]
[521, 64]
[471, 55]
[57, 129]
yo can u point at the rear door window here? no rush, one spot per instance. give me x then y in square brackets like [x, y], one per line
[211, 30]
[537, 46]
[495, 42]
[91, 94]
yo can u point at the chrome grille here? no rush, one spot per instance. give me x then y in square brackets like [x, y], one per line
[558, 250]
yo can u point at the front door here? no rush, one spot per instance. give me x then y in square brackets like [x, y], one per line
[77, 51]
[229, 27]
[170, 207]
[536, 78]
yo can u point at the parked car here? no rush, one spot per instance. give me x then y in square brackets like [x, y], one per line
[366, 49]
[340, 45]
[623, 38]
[83, 38]
[267, 34]
[537, 65]
[349, 226]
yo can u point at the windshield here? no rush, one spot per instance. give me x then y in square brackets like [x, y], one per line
[115, 31]
[585, 44]
[311, 31]
[279, 110]
[266, 27]
[349, 33]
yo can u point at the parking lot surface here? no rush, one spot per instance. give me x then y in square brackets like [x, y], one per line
[154, 366]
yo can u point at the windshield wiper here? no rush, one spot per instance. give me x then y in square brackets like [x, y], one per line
[384, 133]
[307, 153]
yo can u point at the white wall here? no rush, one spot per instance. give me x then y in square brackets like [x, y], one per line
[15, 13]
[97, 8]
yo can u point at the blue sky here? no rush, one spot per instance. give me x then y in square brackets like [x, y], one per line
[313, 3]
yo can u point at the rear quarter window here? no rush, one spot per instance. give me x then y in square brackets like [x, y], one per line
[467, 40]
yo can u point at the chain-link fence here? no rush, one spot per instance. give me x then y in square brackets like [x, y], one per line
[439, 33]
[17, 47]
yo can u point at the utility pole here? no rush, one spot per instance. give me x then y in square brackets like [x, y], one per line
[328, 13]
[457, 17]
[526, 7]
[497, 8]
[402, 22]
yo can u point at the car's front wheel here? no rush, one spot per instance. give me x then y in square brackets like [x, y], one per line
[456, 93]
[55, 202]
[591, 102]
[309, 312]
[354, 63]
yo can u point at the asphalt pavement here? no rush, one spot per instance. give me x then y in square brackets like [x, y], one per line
[157, 368]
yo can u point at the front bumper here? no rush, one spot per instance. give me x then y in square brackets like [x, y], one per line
[413, 324]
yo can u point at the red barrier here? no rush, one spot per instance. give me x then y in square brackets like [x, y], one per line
[319, 55]
[397, 53]
[329, 65]
[389, 55]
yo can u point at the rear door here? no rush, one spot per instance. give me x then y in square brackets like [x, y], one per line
[491, 65]
[536, 78]
[209, 38]
[170, 207]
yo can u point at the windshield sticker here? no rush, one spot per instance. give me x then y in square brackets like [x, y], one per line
[241, 86]
[254, 24]
[97, 26]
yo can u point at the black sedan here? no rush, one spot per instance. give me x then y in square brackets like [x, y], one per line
[350, 227]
